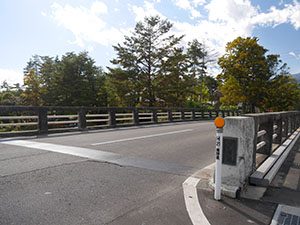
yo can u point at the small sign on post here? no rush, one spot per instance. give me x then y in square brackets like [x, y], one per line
[219, 123]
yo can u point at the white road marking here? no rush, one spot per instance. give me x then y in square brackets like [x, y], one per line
[192, 202]
[103, 156]
[142, 137]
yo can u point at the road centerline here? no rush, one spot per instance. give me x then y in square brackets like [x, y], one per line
[142, 137]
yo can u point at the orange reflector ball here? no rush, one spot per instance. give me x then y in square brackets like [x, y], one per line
[219, 122]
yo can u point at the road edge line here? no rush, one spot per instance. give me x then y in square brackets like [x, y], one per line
[191, 200]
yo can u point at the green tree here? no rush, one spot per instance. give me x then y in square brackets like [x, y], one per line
[123, 88]
[144, 52]
[174, 81]
[246, 61]
[284, 94]
[10, 95]
[32, 95]
[73, 80]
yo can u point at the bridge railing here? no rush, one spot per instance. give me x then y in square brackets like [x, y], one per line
[255, 146]
[42, 120]
[271, 130]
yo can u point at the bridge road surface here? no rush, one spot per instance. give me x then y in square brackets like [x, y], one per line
[126, 176]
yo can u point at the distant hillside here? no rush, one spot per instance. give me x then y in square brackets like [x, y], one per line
[297, 76]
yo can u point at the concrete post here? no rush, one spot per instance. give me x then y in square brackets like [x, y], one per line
[82, 119]
[193, 114]
[238, 150]
[170, 115]
[42, 120]
[155, 120]
[112, 117]
[224, 114]
[210, 114]
[182, 115]
[135, 113]
[268, 137]
[278, 131]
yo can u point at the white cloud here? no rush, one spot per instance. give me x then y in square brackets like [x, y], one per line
[11, 76]
[296, 56]
[290, 13]
[148, 9]
[190, 6]
[184, 4]
[86, 23]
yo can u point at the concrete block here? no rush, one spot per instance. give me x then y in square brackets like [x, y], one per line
[242, 128]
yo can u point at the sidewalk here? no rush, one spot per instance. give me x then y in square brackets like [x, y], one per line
[284, 190]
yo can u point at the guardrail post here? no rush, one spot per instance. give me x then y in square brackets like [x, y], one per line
[217, 113]
[82, 119]
[170, 115]
[210, 114]
[202, 114]
[268, 137]
[154, 111]
[42, 120]
[182, 115]
[278, 131]
[285, 127]
[135, 113]
[223, 113]
[112, 117]
[193, 114]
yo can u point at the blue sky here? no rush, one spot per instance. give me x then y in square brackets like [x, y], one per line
[48, 27]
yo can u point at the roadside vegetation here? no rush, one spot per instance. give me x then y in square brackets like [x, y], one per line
[153, 67]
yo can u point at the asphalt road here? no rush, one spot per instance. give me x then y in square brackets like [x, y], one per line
[121, 176]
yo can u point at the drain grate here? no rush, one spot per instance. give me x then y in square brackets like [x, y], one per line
[288, 219]
[286, 215]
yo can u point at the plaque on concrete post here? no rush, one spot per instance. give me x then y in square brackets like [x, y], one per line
[230, 147]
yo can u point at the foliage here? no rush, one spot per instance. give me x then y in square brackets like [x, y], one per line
[247, 74]
[73, 80]
[10, 95]
[144, 53]
[284, 94]
[157, 69]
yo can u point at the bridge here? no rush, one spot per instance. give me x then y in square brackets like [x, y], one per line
[119, 174]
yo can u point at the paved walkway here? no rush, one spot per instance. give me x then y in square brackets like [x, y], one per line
[281, 200]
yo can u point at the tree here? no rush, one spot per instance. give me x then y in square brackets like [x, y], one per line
[232, 92]
[198, 58]
[123, 88]
[144, 52]
[10, 95]
[174, 81]
[246, 61]
[284, 94]
[32, 95]
[73, 80]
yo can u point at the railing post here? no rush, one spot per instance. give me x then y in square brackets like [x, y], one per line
[112, 117]
[42, 120]
[193, 114]
[154, 111]
[278, 139]
[223, 114]
[82, 119]
[202, 114]
[285, 127]
[210, 114]
[182, 115]
[268, 137]
[170, 115]
[217, 113]
[135, 113]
